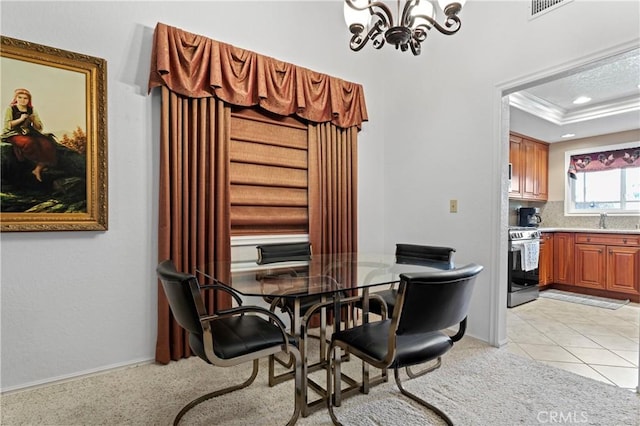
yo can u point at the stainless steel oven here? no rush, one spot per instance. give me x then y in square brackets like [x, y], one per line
[523, 278]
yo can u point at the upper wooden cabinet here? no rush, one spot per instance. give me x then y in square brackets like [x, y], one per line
[529, 160]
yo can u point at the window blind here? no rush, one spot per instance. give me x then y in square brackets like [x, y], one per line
[268, 174]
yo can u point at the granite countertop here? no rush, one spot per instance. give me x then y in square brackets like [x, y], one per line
[591, 230]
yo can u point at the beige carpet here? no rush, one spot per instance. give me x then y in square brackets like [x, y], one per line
[477, 385]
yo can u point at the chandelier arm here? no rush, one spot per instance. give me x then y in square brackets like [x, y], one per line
[375, 33]
[420, 33]
[452, 21]
[406, 13]
[415, 45]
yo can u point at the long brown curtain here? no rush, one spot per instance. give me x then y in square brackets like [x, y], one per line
[333, 194]
[200, 79]
[194, 202]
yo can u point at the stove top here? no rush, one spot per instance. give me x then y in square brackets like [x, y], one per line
[523, 233]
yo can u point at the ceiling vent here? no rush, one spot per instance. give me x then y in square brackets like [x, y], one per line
[540, 7]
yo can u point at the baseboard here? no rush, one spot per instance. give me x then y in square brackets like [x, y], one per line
[635, 298]
[75, 376]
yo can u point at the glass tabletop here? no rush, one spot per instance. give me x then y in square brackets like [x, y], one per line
[323, 274]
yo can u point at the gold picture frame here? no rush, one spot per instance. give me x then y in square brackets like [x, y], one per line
[53, 175]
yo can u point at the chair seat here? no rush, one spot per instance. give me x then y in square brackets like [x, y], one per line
[372, 339]
[241, 335]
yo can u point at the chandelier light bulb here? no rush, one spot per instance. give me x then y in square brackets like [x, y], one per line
[423, 8]
[357, 18]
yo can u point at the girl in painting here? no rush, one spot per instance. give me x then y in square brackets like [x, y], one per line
[23, 129]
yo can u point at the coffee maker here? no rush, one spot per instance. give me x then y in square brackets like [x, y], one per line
[529, 216]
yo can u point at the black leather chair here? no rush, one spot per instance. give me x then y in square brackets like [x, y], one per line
[414, 254]
[283, 252]
[426, 306]
[290, 252]
[280, 253]
[226, 337]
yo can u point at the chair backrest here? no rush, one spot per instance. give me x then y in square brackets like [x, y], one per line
[283, 252]
[435, 301]
[183, 295]
[415, 253]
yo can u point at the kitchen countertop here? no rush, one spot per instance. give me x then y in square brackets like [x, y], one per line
[591, 230]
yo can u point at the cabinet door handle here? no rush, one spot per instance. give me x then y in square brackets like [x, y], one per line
[610, 251]
[600, 251]
[624, 240]
[588, 239]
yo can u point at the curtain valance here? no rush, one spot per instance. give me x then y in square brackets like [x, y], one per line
[198, 67]
[605, 160]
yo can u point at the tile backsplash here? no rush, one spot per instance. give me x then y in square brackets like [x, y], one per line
[552, 214]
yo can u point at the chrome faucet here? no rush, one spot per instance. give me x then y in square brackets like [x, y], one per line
[603, 221]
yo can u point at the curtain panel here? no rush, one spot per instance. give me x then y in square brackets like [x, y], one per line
[193, 224]
[198, 67]
[605, 160]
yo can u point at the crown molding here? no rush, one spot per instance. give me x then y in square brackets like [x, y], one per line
[560, 116]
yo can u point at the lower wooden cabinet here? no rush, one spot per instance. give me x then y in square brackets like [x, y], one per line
[608, 262]
[545, 268]
[564, 262]
[603, 264]
[623, 269]
[590, 270]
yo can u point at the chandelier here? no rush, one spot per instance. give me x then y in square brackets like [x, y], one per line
[373, 20]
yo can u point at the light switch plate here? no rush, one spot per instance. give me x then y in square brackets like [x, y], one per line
[453, 206]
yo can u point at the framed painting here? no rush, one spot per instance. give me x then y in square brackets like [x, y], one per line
[53, 147]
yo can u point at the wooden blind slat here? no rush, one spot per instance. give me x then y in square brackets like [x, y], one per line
[250, 195]
[253, 174]
[257, 153]
[268, 133]
[267, 117]
[243, 215]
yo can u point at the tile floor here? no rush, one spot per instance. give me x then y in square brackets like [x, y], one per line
[594, 342]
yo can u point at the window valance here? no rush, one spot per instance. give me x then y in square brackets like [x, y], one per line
[605, 160]
[198, 67]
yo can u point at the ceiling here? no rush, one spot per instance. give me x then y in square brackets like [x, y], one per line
[546, 111]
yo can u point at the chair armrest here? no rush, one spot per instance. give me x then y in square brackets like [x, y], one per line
[241, 310]
[224, 288]
[383, 304]
[462, 328]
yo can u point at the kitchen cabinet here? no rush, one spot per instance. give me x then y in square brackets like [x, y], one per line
[608, 262]
[529, 160]
[515, 160]
[545, 268]
[563, 265]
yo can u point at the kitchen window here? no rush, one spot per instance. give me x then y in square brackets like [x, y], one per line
[607, 181]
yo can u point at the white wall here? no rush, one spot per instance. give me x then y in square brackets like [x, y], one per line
[76, 302]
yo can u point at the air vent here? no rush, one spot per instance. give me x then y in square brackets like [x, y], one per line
[539, 7]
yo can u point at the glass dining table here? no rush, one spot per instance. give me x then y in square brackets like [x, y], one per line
[325, 287]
